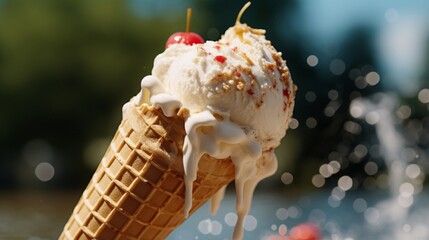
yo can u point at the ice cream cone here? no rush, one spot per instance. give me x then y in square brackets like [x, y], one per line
[138, 190]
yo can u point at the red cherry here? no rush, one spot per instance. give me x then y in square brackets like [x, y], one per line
[305, 231]
[188, 38]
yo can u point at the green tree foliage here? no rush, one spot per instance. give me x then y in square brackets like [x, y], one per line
[66, 68]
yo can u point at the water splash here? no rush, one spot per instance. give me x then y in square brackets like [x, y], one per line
[378, 110]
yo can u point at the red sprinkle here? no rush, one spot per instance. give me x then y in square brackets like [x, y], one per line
[220, 58]
[250, 91]
[217, 47]
[237, 73]
[286, 93]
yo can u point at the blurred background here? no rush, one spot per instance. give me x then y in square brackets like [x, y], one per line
[354, 160]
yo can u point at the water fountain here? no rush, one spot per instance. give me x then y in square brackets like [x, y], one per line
[390, 217]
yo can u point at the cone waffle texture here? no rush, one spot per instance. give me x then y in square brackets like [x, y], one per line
[138, 190]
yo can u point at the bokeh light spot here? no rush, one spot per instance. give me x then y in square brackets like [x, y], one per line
[311, 122]
[216, 228]
[382, 181]
[424, 95]
[336, 166]
[360, 205]
[310, 96]
[352, 127]
[208, 226]
[326, 170]
[403, 112]
[337, 193]
[231, 219]
[312, 60]
[360, 150]
[372, 215]
[286, 178]
[372, 117]
[360, 82]
[356, 111]
[405, 201]
[371, 168]
[318, 180]
[334, 202]
[44, 171]
[337, 66]
[406, 189]
[372, 78]
[282, 214]
[250, 223]
[412, 171]
[282, 230]
[293, 124]
[294, 212]
[205, 226]
[333, 94]
[345, 183]
[330, 111]
[274, 227]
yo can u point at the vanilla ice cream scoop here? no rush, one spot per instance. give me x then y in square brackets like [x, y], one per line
[241, 76]
[239, 96]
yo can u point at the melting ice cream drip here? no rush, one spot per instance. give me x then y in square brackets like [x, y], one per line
[153, 92]
[221, 139]
[266, 167]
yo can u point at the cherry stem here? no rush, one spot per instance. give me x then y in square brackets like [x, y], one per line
[237, 21]
[188, 19]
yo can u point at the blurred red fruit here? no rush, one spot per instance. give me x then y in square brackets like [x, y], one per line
[305, 231]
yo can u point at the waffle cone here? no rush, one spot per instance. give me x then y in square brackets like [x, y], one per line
[138, 190]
